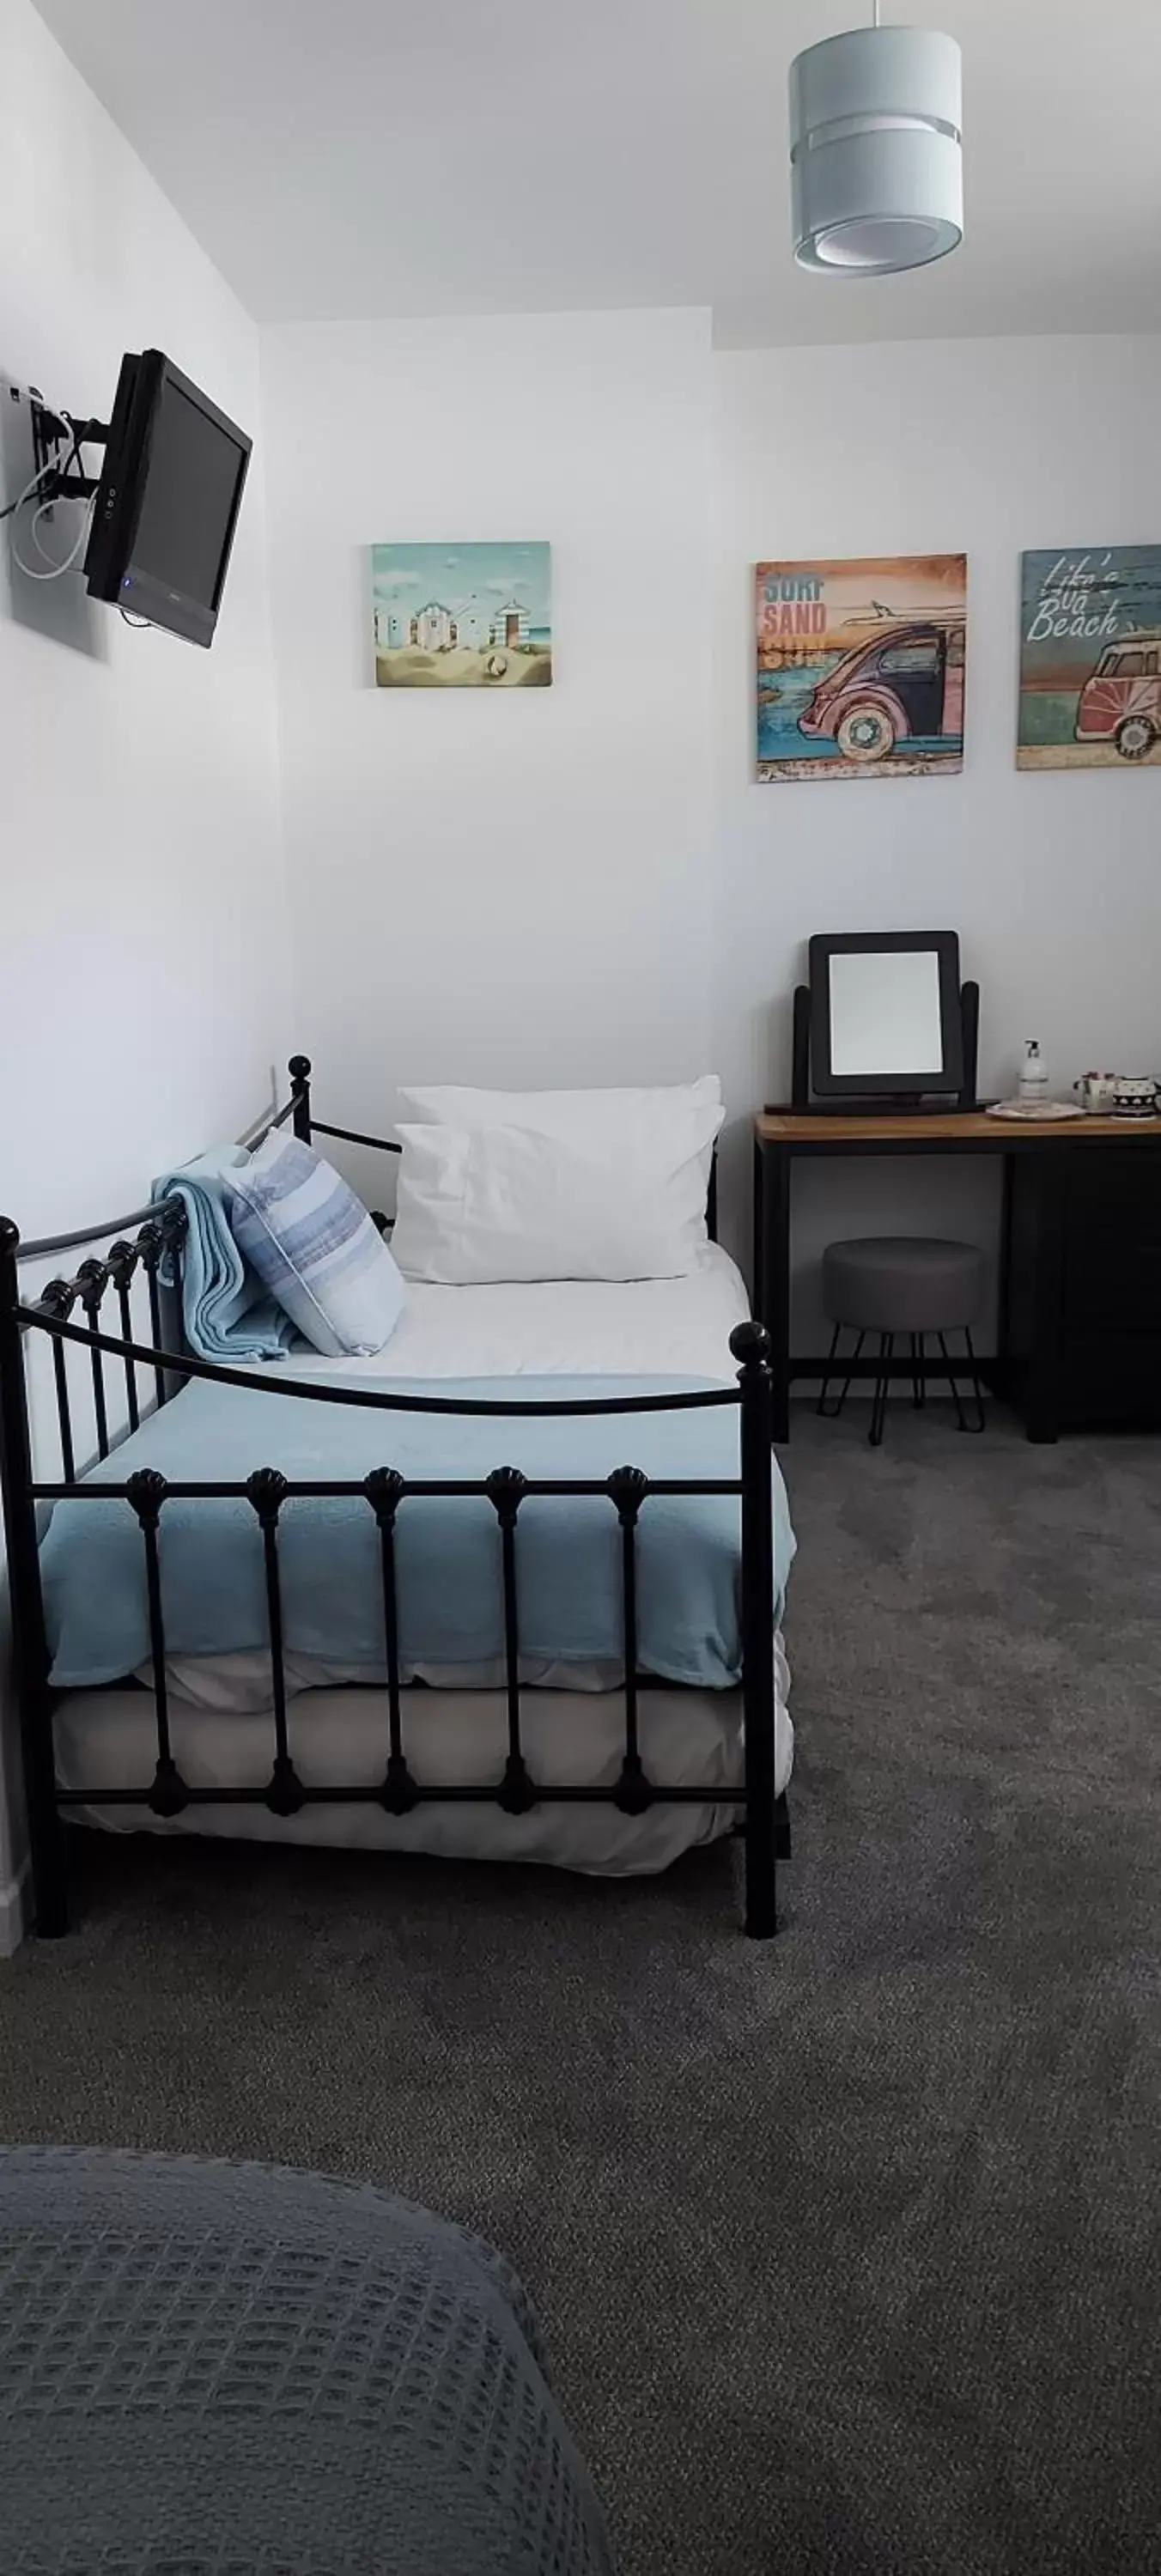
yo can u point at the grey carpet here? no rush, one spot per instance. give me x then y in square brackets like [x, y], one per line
[846, 2248]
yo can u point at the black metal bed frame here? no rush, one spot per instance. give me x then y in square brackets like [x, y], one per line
[156, 1252]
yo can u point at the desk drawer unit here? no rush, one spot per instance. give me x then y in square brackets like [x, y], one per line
[1084, 1303]
[1112, 1240]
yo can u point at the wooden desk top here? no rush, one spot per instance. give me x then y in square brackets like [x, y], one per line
[791, 1127]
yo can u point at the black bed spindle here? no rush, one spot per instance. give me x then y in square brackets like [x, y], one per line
[384, 1489]
[266, 1491]
[505, 1489]
[147, 1491]
[750, 1345]
[94, 1279]
[628, 1488]
[149, 1248]
[174, 1229]
[59, 1298]
[121, 1262]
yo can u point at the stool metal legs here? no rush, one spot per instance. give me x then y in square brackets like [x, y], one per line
[830, 1411]
[961, 1418]
[882, 1383]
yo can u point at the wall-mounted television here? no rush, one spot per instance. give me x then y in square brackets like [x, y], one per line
[168, 500]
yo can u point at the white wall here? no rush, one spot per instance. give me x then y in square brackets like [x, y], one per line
[587, 884]
[514, 887]
[1052, 879]
[142, 936]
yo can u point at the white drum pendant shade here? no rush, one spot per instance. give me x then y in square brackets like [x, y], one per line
[875, 150]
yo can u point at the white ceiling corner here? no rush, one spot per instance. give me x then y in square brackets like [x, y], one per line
[371, 158]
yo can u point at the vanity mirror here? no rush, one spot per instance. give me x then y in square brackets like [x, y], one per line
[885, 1023]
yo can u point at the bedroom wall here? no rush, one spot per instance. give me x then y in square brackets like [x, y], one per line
[143, 954]
[513, 887]
[587, 884]
[1053, 880]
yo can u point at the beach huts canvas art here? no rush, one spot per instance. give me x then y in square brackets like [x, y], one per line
[861, 667]
[462, 616]
[1090, 658]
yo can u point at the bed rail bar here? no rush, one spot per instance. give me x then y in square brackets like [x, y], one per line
[45, 1245]
[310, 1391]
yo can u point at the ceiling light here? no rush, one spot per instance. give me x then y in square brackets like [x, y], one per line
[876, 155]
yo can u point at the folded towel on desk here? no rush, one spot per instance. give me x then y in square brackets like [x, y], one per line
[227, 1313]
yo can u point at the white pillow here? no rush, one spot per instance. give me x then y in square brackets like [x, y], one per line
[631, 1122]
[477, 1205]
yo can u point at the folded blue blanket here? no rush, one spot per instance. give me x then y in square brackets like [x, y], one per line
[227, 1313]
[448, 1547]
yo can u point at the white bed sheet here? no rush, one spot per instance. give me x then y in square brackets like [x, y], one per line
[561, 1328]
[106, 1738]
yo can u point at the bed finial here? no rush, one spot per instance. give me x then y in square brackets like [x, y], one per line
[147, 1490]
[627, 1487]
[266, 1491]
[505, 1489]
[750, 1344]
[9, 1236]
[299, 1071]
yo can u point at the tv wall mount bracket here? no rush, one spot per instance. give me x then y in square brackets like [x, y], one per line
[52, 432]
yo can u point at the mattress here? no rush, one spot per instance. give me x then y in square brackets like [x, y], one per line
[108, 1738]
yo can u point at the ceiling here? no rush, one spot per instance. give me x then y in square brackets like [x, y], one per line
[349, 159]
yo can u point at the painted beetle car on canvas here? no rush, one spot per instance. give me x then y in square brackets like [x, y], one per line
[1121, 700]
[904, 686]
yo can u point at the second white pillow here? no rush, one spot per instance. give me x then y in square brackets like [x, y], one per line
[481, 1205]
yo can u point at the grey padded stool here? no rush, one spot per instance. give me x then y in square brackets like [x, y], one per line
[894, 1284]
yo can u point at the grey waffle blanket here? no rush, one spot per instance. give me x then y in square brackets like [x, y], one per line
[233, 2370]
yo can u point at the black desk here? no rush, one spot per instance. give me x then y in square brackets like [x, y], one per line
[1080, 1283]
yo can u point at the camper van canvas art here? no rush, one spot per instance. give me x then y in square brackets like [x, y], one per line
[1090, 658]
[462, 616]
[861, 666]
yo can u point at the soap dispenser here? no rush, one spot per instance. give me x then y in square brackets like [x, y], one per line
[1033, 1074]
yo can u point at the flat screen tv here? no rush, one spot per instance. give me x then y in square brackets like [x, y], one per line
[167, 502]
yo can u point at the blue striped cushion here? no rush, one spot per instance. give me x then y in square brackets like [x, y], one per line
[313, 1245]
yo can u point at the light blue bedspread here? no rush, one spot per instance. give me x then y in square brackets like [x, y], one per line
[227, 1313]
[448, 1549]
